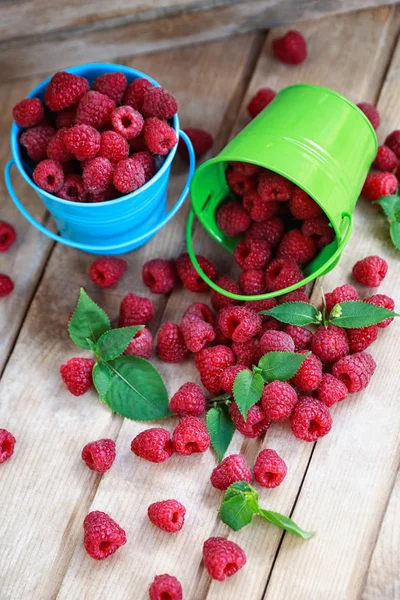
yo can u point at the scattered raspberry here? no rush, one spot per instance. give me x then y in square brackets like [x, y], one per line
[102, 535]
[239, 323]
[159, 103]
[98, 174]
[210, 362]
[271, 231]
[202, 311]
[343, 293]
[160, 275]
[276, 341]
[257, 422]
[153, 444]
[7, 443]
[36, 140]
[64, 90]
[290, 49]
[303, 207]
[127, 121]
[159, 136]
[247, 353]
[189, 276]
[297, 246]
[147, 161]
[73, 189]
[233, 468]
[6, 285]
[171, 347]
[222, 558]
[56, 149]
[269, 469]
[385, 159]
[393, 142]
[112, 85]
[232, 218]
[295, 296]
[28, 112]
[107, 271]
[309, 376]
[135, 310]
[281, 273]
[99, 456]
[165, 587]
[229, 375]
[202, 142]
[259, 209]
[65, 119]
[246, 169]
[379, 184]
[8, 236]
[278, 399]
[252, 254]
[190, 436]
[128, 176]
[371, 112]
[83, 141]
[188, 400]
[259, 101]
[319, 230]
[330, 343]
[76, 373]
[331, 390]
[94, 109]
[252, 282]
[219, 301]
[370, 271]
[361, 338]
[141, 344]
[113, 146]
[196, 333]
[168, 515]
[355, 371]
[310, 419]
[300, 336]
[272, 186]
[385, 302]
[135, 92]
[258, 305]
[49, 176]
[239, 182]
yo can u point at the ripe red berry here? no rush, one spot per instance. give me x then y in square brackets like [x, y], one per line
[6, 285]
[134, 94]
[282, 273]
[202, 311]
[393, 142]
[361, 338]
[210, 363]
[190, 436]
[165, 587]
[94, 109]
[310, 419]
[319, 230]
[49, 176]
[65, 118]
[330, 343]
[160, 275]
[252, 282]
[188, 400]
[370, 271]
[127, 121]
[259, 101]
[233, 468]
[36, 141]
[245, 168]
[100, 455]
[309, 376]
[256, 423]
[73, 189]
[98, 174]
[7, 443]
[302, 206]
[371, 112]
[343, 293]
[112, 85]
[65, 90]
[28, 112]
[146, 160]
[379, 184]
[77, 375]
[189, 276]
[154, 445]
[274, 187]
[355, 371]
[295, 296]
[232, 218]
[239, 323]
[300, 336]
[271, 230]
[113, 146]
[229, 375]
[247, 353]
[8, 236]
[258, 305]
[102, 535]
[331, 390]
[297, 246]
[196, 332]
[159, 136]
[83, 141]
[219, 301]
[168, 515]
[269, 469]
[135, 310]
[171, 347]
[291, 48]
[278, 399]
[276, 341]
[141, 344]
[239, 182]
[252, 254]
[385, 160]
[222, 558]
[159, 103]
[385, 302]
[128, 176]
[202, 142]
[258, 208]
[56, 149]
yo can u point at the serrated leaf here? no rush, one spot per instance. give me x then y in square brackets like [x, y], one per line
[391, 206]
[280, 365]
[395, 234]
[355, 314]
[221, 429]
[241, 487]
[137, 390]
[247, 390]
[284, 523]
[102, 376]
[88, 321]
[238, 511]
[114, 342]
[294, 313]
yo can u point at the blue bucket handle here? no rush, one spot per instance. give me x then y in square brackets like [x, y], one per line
[89, 247]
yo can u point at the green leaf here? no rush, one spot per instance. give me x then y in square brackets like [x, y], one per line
[280, 365]
[284, 523]
[102, 376]
[395, 234]
[355, 313]
[247, 390]
[239, 504]
[391, 207]
[88, 321]
[221, 429]
[294, 313]
[240, 487]
[114, 342]
[137, 390]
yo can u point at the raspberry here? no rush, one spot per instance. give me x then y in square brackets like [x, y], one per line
[73, 189]
[309, 376]
[385, 302]
[165, 587]
[229, 375]
[65, 119]
[219, 301]
[259, 209]
[246, 169]
[202, 311]
[28, 112]
[128, 176]
[295, 296]
[281, 273]
[233, 468]
[49, 176]
[159, 103]
[385, 159]
[271, 231]
[168, 515]
[98, 174]
[188, 400]
[252, 282]
[210, 362]
[330, 343]
[76, 373]
[232, 218]
[302, 206]
[159, 136]
[258, 305]
[135, 310]
[153, 444]
[196, 333]
[239, 182]
[222, 558]
[319, 230]
[331, 390]
[300, 336]
[102, 535]
[190, 436]
[6, 285]
[148, 163]
[371, 112]
[7, 443]
[202, 142]
[272, 186]
[252, 254]
[135, 92]
[269, 469]
[278, 399]
[247, 353]
[239, 323]
[171, 347]
[127, 121]
[83, 141]
[99, 456]
[297, 246]
[189, 276]
[355, 371]
[276, 341]
[8, 236]
[56, 149]
[343, 293]
[108, 194]
[370, 271]
[64, 90]
[112, 85]
[257, 422]
[94, 109]
[107, 271]
[160, 275]
[310, 419]
[36, 140]
[393, 142]
[290, 49]
[361, 338]
[379, 184]
[141, 344]
[113, 146]
[259, 101]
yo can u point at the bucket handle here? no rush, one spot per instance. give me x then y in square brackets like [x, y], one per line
[189, 242]
[104, 249]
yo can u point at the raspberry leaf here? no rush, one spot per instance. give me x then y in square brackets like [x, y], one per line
[395, 233]
[391, 206]
[295, 313]
[284, 523]
[239, 504]
[114, 342]
[88, 321]
[355, 314]
[247, 390]
[102, 376]
[221, 429]
[280, 365]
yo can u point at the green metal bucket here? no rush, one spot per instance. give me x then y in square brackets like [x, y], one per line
[314, 137]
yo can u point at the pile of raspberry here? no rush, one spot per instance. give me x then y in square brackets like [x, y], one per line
[95, 144]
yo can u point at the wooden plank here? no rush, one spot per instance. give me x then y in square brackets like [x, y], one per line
[46, 490]
[138, 483]
[131, 29]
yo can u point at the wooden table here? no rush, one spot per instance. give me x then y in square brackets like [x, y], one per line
[344, 487]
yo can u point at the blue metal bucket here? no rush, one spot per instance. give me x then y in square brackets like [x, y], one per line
[112, 227]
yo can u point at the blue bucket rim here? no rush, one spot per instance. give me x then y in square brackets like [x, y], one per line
[78, 70]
